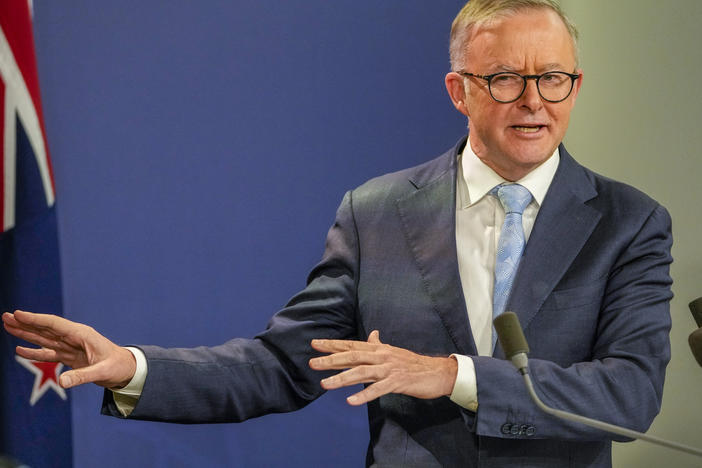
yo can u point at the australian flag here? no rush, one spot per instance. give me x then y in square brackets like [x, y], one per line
[35, 418]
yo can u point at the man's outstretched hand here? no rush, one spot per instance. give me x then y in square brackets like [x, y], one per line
[387, 368]
[93, 357]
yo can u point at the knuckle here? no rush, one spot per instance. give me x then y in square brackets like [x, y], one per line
[86, 330]
[364, 372]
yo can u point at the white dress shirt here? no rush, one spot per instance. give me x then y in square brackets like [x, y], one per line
[479, 218]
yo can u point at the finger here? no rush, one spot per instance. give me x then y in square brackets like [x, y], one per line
[52, 327]
[41, 354]
[39, 340]
[82, 376]
[370, 393]
[114, 372]
[345, 360]
[9, 320]
[335, 346]
[374, 337]
[24, 334]
[357, 375]
[53, 323]
[70, 359]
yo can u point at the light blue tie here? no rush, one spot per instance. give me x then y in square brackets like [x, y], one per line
[514, 198]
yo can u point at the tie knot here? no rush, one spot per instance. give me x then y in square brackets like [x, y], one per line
[513, 197]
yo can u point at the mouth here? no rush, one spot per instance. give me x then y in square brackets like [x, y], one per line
[528, 128]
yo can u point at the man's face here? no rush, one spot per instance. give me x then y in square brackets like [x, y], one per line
[515, 138]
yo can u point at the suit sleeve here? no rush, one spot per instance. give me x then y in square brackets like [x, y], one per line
[245, 378]
[622, 383]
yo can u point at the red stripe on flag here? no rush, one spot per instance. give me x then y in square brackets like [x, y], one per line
[3, 155]
[16, 23]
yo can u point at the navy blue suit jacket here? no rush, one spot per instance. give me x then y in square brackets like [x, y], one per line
[592, 294]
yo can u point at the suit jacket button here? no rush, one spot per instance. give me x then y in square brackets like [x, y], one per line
[506, 428]
[515, 429]
[530, 431]
[523, 429]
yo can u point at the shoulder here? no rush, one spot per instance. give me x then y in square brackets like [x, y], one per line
[611, 197]
[396, 185]
[621, 206]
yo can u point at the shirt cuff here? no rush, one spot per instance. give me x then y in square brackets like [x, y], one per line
[465, 390]
[126, 397]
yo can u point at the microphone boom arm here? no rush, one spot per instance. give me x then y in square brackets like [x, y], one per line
[601, 424]
[516, 348]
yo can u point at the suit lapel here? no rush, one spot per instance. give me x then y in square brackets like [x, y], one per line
[562, 227]
[428, 217]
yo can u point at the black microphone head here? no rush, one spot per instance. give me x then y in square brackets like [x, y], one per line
[510, 333]
[696, 309]
[695, 340]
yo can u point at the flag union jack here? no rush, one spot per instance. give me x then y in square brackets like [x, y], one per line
[35, 418]
[22, 137]
[19, 105]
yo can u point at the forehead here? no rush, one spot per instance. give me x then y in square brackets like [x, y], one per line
[528, 40]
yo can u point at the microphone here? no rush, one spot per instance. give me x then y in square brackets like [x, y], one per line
[515, 346]
[695, 338]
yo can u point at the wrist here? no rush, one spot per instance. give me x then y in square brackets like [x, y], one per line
[130, 366]
[450, 372]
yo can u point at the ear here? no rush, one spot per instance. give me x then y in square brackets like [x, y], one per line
[457, 92]
[578, 84]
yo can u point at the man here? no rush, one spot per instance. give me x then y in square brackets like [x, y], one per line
[414, 258]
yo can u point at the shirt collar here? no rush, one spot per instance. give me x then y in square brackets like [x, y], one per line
[476, 179]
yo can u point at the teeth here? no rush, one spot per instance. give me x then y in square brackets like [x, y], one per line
[527, 129]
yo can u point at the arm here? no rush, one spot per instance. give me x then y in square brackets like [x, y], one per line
[231, 382]
[245, 378]
[619, 379]
[621, 382]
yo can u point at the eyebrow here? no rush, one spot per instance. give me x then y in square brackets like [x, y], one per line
[552, 67]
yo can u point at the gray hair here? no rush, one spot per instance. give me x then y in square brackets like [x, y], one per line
[479, 12]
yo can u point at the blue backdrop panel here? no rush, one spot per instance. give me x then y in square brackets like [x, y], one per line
[200, 152]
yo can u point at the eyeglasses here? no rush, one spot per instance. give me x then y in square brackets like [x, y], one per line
[507, 87]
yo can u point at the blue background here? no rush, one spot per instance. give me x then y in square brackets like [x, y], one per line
[200, 150]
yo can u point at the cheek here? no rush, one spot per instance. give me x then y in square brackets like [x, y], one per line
[489, 115]
[561, 112]
[561, 117]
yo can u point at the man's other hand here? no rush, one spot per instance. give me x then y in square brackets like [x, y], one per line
[93, 357]
[388, 369]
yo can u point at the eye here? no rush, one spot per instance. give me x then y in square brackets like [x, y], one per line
[553, 79]
[506, 79]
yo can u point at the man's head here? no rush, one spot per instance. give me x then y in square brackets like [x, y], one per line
[527, 37]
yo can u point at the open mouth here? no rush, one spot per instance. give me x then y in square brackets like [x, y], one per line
[528, 128]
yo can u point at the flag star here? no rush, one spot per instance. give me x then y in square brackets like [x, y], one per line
[46, 376]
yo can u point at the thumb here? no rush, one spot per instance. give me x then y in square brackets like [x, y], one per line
[75, 377]
[374, 337]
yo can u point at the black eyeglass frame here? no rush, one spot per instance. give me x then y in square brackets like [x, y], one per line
[488, 78]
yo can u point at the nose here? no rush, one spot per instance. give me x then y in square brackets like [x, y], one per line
[531, 99]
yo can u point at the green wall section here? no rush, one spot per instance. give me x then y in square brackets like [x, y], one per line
[637, 120]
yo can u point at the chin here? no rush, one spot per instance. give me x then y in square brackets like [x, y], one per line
[527, 159]
[532, 153]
